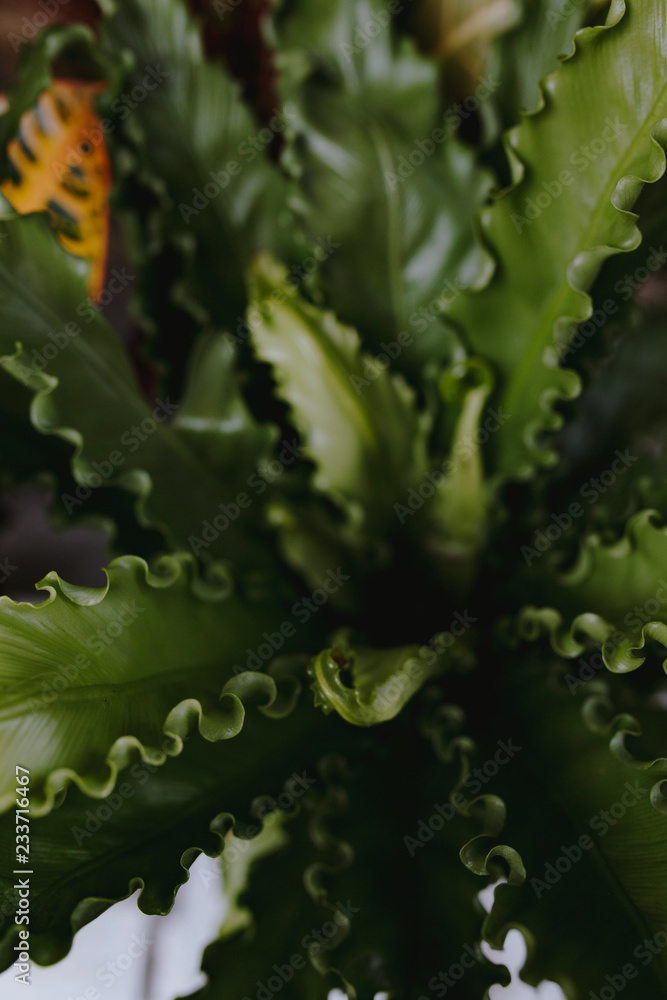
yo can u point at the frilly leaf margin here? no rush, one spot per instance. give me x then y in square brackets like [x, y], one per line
[620, 649]
[135, 481]
[580, 270]
[213, 722]
[487, 812]
[601, 718]
[91, 907]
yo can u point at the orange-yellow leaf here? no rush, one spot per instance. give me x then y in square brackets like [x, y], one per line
[59, 163]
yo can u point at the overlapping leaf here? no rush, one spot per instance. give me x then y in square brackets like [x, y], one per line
[360, 423]
[319, 905]
[152, 657]
[586, 811]
[615, 594]
[199, 144]
[57, 44]
[625, 383]
[522, 57]
[275, 908]
[385, 193]
[213, 418]
[88, 854]
[59, 162]
[87, 393]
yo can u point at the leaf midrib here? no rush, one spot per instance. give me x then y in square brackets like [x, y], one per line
[557, 305]
[12, 708]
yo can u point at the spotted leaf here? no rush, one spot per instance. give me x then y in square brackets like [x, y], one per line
[59, 163]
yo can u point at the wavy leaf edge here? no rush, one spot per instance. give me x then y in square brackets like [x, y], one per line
[624, 197]
[188, 715]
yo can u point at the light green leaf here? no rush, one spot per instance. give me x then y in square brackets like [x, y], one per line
[579, 164]
[359, 423]
[368, 686]
[454, 527]
[94, 679]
